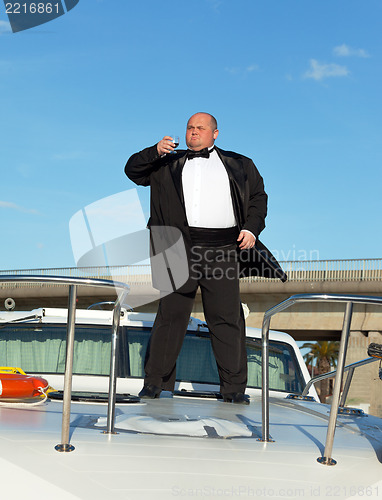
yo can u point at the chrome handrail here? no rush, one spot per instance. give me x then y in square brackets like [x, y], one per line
[348, 368]
[73, 283]
[349, 300]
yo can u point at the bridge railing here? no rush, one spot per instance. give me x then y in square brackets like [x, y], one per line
[297, 270]
[334, 270]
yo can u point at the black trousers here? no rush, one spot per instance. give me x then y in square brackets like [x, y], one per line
[216, 271]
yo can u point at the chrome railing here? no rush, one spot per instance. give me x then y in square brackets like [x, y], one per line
[297, 270]
[348, 368]
[348, 300]
[73, 283]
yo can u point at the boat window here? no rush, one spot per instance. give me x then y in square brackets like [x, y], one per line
[284, 370]
[197, 363]
[41, 348]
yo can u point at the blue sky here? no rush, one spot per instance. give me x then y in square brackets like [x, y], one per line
[294, 84]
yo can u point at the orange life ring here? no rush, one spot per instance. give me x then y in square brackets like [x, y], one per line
[16, 385]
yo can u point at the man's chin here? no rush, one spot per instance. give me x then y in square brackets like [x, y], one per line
[195, 147]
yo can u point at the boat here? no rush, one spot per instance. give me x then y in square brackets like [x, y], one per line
[93, 438]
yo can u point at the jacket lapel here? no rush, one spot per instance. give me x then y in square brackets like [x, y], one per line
[236, 177]
[176, 168]
[234, 168]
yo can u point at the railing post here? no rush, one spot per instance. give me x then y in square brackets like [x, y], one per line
[265, 380]
[264, 365]
[327, 458]
[114, 363]
[345, 391]
[65, 431]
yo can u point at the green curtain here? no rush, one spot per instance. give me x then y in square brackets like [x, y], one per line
[37, 351]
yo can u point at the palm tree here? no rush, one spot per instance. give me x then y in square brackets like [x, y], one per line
[325, 353]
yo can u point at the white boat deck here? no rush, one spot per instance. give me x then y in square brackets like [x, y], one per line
[155, 456]
[185, 447]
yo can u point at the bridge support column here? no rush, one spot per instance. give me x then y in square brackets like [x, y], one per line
[366, 387]
[376, 382]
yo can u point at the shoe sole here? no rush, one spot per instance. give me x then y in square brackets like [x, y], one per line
[230, 400]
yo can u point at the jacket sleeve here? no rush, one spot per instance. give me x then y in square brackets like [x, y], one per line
[257, 201]
[140, 166]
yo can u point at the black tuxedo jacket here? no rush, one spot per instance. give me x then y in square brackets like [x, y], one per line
[164, 176]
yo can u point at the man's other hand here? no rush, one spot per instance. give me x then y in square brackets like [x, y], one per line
[246, 239]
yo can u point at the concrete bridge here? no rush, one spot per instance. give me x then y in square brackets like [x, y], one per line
[305, 322]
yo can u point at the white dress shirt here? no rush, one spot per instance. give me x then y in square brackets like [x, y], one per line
[207, 193]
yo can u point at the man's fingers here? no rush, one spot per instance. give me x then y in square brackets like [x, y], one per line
[165, 145]
[247, 240]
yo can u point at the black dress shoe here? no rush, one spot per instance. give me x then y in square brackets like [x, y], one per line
[150, 392]
[236, 397]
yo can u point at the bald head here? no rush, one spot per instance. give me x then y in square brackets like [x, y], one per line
[201, 131]
[212, 119]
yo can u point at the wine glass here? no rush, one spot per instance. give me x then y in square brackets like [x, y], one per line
[175, 140]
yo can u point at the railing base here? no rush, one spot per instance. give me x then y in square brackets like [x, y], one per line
[64, 448]
[300, 397]
[326, 461]
[351, 411]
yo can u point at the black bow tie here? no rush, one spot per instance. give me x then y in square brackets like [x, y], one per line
[203, 153]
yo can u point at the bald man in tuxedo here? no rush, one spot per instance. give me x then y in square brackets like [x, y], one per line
[216, 200]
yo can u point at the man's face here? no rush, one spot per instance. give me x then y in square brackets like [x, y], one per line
[200, 133]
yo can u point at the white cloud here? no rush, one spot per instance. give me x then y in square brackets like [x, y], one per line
[5, 27]
[346, 51]
[252, 67]
[232, 70]
[236, 70]
[215, 4]
[320, 71]
[14, 206]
